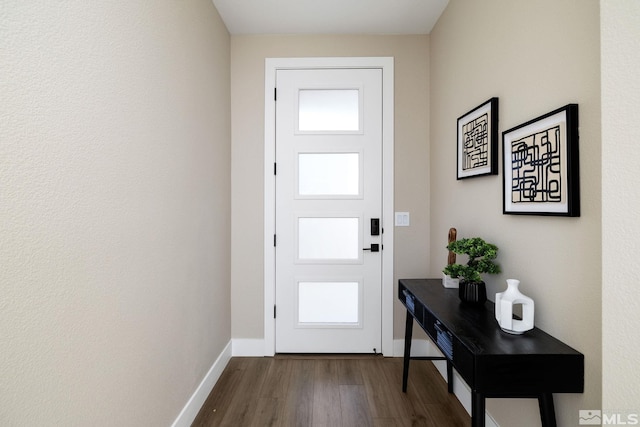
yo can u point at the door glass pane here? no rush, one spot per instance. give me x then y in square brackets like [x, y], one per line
[328, 302]
[328, 238]
[328, 174]
[328, 110]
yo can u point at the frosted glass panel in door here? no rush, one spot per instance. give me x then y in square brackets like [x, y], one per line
[329, 110]
[328, 302]
[336, 174]
[328, 238]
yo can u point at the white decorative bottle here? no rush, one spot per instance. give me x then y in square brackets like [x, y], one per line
[504, 309]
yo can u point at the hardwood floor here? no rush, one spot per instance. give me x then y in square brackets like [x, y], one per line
[329, 391]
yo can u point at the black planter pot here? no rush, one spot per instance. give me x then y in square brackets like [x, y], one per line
[472, 293]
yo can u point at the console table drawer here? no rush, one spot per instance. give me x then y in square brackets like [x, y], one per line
[531, 374]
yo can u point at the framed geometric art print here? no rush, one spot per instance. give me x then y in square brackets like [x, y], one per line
[477, 149]
[541, 165]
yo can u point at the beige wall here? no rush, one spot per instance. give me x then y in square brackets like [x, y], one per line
[536, 57]
[248, 55]
[114, 189]
[620, 34]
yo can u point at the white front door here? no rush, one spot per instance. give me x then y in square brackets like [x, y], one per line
[328, 224]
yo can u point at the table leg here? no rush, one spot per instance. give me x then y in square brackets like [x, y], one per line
[477, 409]
[547, 410]
[408, 332]
[449, 376]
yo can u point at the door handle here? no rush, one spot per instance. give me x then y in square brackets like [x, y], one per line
[375, 247]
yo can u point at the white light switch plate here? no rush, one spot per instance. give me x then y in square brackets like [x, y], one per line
[403, 219]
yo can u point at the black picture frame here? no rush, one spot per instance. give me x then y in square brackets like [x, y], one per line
[541, 165]
[477, 147]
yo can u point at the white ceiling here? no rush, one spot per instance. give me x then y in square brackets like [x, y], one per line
[330, 16]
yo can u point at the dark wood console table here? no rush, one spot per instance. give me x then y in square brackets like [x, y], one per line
[492, 362]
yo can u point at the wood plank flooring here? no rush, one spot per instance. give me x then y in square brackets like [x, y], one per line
[331, 391]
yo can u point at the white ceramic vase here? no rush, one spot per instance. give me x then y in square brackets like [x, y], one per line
[504, 309]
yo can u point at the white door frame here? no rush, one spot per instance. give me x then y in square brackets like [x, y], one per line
[271, 67]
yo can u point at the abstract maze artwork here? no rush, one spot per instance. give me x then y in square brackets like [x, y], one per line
[536, 162]
[541, 165]
[475, 148]
[477, 141]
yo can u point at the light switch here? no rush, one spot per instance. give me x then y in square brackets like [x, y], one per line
[402, 219]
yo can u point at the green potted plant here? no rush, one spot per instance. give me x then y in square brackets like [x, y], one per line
[481, 255]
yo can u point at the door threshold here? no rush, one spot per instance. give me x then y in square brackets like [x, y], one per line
[341, 356]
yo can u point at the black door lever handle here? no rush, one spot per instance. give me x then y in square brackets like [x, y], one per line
[375, 247]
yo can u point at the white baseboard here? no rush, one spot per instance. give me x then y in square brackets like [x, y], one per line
[235, 347]
[248, 347]
[193, 406]
[425, 348]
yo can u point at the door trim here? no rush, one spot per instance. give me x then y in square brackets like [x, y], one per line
[272, 65]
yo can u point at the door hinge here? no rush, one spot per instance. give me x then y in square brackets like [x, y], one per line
[275, 94]
[274, 311]
[274, 240]
[275, 168]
